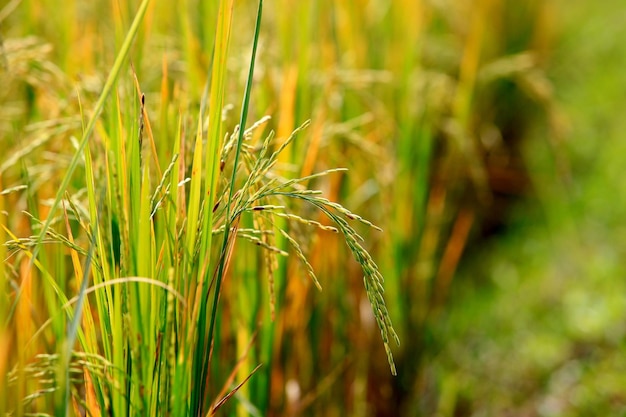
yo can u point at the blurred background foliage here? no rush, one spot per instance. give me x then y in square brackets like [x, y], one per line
[483, 136]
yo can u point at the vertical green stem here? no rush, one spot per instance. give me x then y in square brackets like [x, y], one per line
[229, 220]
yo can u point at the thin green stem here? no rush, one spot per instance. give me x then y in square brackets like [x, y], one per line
[229, 220]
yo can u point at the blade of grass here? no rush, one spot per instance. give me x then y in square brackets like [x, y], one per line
[233, 391]
[72, 332]
[229, 220]
[216, 103]
[216, 100]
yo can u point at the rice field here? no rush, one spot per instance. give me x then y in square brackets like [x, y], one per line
[321, 208]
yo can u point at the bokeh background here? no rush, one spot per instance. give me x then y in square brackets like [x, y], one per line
[485, 137]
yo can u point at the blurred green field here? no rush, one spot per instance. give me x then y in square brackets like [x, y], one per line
[154, 257]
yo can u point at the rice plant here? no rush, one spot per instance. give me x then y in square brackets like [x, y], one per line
[127, 272]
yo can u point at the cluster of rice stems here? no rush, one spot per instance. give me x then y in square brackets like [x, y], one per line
[119, 282]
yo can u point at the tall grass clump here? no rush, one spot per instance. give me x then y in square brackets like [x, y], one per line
[121, 234]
